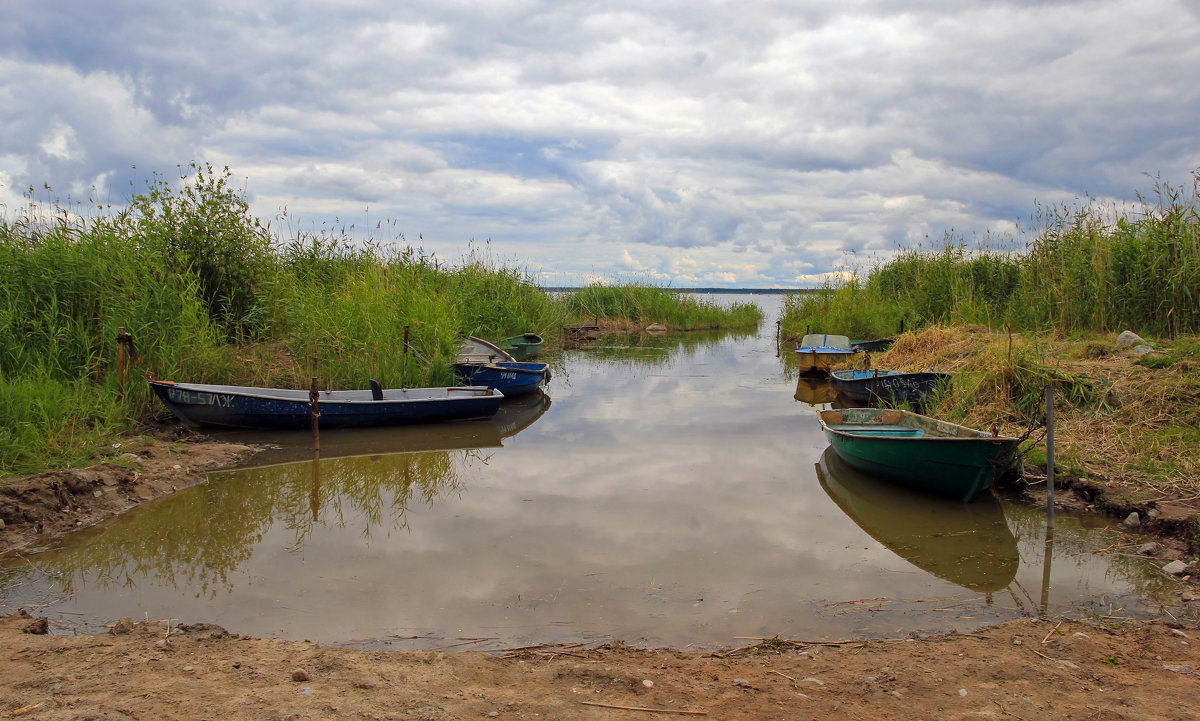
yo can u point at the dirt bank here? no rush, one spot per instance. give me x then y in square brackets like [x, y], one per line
[43, 506]
[1027, 669]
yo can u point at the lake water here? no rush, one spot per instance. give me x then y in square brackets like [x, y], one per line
[668, 491]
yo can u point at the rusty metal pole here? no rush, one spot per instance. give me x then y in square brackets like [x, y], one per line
[404, 380]
[314, 407]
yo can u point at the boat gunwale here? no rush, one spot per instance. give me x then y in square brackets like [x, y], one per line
[354, 396]
[939, 428]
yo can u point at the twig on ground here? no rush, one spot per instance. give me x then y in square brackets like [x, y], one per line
[640, 708]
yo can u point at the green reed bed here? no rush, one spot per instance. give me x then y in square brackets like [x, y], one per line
[1085, 269]
[642, 304]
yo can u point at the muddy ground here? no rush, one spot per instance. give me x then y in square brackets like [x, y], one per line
[160, 669]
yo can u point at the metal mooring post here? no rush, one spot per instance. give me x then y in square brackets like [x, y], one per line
[1050, 456]
[314, 409]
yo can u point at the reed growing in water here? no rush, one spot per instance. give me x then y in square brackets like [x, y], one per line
[640, 304]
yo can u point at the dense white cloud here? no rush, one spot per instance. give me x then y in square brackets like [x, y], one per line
[700, 143]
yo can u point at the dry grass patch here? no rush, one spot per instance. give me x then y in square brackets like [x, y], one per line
[1117, 423]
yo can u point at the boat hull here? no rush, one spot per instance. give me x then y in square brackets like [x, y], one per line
[218, 406]
[919, 452]
[868, 385]
[819, 353]
[511, 379]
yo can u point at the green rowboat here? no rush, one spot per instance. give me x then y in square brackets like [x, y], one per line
[918, 451]
[522, 347]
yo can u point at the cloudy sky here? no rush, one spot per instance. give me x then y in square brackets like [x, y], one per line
[757, 143]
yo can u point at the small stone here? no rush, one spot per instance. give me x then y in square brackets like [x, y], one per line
[97, 493]
[1017, 642]
[1142, 349]
[1132, 520]
[648, 683]
[741, 682]
[1128, 338]
[1177, 668]
[163, 644]
[189, 669]
[962, 692]
[493, 714]
[1175, 568]
[1147, 549]
[1153, 513]
[1068, 664]
[39, 627]
[1179, 633]
[124, 625]
[300, 675]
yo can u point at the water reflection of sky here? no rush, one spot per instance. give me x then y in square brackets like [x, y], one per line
[668, 495]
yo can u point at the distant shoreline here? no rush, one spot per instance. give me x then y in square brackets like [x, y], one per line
[762, 291]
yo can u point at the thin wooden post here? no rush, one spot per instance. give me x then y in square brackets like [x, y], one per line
[123, 339]
[314, 408]
[1050, 456]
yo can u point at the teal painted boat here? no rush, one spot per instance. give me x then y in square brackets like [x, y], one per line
[524, 346]
[919, 452]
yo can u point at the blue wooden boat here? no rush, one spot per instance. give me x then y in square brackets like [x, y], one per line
[220, 406]
[481, 363]
[865, 386]
[918, 451]
[819, 352]
[510, 378]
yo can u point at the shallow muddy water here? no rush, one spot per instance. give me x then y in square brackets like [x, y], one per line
[667, 491]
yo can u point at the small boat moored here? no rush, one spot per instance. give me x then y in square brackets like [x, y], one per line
[222, 406]
[918, 451]
[864, 386]
[522, 347]
[818, 352]
[510, 378]
[872, 346]
[481, 363]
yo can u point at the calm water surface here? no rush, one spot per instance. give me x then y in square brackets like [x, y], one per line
[667, 491]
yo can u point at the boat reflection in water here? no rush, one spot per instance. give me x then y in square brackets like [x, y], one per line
[968, 544]
[815, 390]
[515, 415]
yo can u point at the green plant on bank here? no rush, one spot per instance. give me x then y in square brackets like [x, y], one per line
[643, 304]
